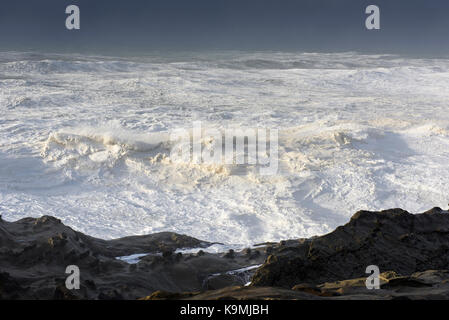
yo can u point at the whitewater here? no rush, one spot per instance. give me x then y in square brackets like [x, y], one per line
[84, 138]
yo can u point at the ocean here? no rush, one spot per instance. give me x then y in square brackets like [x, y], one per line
[84, 138]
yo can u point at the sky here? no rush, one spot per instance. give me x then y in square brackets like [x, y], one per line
[415, 27]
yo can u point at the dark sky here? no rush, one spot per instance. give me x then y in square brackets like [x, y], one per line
[137, 26]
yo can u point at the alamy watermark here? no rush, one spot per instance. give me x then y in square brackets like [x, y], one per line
[72, 282]
[373, 281]
[73, 21]
[249, 146]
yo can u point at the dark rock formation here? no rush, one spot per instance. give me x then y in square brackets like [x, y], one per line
[34, 254]
[394, 240]
[412, 251]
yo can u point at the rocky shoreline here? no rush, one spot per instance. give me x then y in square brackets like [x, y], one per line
[411, 251]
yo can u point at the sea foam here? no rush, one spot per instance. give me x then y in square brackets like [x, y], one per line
[86, 139]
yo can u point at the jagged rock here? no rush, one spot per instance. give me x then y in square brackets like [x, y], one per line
[34, 254]
[230, 254]
[393, 240]
[222, 281]
[412, 250]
